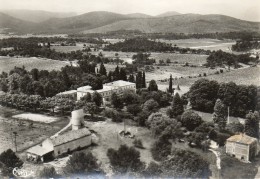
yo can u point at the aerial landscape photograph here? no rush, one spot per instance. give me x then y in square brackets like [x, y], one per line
[129, 89]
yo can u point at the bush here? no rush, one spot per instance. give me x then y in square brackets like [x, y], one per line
[190, 120]
[221, 71]
[161, 149]
[48, 172]
[138, 143]
[125, 159]
[113, 114]
[81, 163]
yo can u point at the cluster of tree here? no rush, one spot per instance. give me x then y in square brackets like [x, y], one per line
[47, 84]
[220, 58]
[145, 45]
[246, 45]
[142, 59]
[9, 161]
[240, 98]
[63, 103]
[126, 34]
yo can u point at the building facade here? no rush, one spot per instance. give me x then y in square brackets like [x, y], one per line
[108, 88]
[242, 147]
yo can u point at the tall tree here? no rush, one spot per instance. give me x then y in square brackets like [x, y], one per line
[35, 74]
[143, 80]
[122, 74]
[97, 98]
[102, 69]
[116, 73]
[220, 114]
[252, 124]
[139, 80]
[131, 78]
[176, 107]
[170, 85]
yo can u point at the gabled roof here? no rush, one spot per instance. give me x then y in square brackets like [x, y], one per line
[70, 136]
[38, 150]
[242, 138]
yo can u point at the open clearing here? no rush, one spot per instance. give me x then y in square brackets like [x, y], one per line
[8, 63]
[35, 117]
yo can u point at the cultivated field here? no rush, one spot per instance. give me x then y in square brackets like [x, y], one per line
[8, 63]
[206, 44]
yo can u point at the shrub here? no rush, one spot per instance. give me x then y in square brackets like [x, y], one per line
[125, 159]
[161, 149]
[190, 120]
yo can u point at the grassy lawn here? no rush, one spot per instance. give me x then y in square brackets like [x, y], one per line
[108, 138]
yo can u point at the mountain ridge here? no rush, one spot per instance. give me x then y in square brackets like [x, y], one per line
[103, 22]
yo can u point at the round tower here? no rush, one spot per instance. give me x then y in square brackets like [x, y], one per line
[77, 119]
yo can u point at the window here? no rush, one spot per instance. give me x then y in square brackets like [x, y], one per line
[58, 152]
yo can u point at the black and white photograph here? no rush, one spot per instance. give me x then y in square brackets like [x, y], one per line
[131, 89]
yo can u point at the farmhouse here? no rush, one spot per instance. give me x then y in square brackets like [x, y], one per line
[108, 88]
[242, 147]
[77, 138]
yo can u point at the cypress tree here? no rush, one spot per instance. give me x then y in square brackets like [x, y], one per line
[143, 80]
[116, 73]
[170, 85]
[122, 74]
[102, 69]
[131, 78]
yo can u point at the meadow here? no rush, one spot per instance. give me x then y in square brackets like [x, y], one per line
[206, 44]
[8, 63]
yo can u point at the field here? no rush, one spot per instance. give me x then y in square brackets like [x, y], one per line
[206, 44]
[245, 76]
[26, 136]
[8, 63]
[35, 117]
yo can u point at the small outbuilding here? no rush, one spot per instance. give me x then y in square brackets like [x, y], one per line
[242, 146]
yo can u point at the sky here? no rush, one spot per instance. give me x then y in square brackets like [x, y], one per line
[242, 9]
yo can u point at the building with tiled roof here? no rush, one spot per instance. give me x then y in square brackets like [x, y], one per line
[242, 146]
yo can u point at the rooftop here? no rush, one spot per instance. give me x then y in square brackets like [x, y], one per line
[242, 138]
[119, 83]
[67, 92]
[70, 136]
[38, 150]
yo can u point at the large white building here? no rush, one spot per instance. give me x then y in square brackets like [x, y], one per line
[108, 88]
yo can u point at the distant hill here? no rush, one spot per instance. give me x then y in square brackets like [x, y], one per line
[37, 15]
[138, 15]
[187, 23]
[169, 13]
[14, 25]
[78, 23]
[102, 22]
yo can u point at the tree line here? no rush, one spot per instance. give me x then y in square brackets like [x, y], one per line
[240, 98]
[146, 45]
[220, 59]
